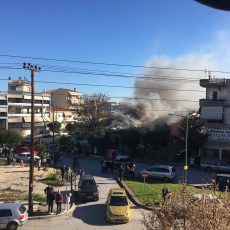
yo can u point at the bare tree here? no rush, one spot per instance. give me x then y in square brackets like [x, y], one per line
[187, 213]
[94, 112]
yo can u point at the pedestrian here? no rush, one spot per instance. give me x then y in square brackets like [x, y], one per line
[59, 201]
[50, 201]
[13, 160]
[21, 164]
[68, 198]
[63, 173]
[47, 191]
[39, 164]
[120, 170]
[166, 194]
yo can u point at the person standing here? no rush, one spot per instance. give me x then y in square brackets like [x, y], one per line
[68, 198]
[63, 173]
[50, 201]
[59, 201]
[47, 191]
[39, 164]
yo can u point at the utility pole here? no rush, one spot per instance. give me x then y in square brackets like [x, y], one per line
[32, 69]
[53, 130]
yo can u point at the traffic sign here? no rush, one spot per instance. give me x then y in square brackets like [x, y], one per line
[144, 175]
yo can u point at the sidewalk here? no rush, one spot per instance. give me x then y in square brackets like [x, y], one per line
[40, 211]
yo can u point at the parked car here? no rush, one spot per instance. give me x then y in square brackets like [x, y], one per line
[25, 157]
[219, 166]
[87, 188]
[222, 182]
[12, 215]
[117, 206]
[165, 172]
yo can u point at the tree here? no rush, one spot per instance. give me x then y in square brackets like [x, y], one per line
[158, 137]
[71, 128]
[94, 112]
[130, 138]
[54, 126]
[196, 138]
[10, 138]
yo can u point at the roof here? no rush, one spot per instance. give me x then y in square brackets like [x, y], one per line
[63, 89]
[9, 205]
[118, 191]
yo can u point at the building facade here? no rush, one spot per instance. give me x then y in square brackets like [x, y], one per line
[19, 108]
[64, 102]
[215, 113]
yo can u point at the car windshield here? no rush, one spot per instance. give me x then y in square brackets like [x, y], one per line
[118, 201]
[88, 183]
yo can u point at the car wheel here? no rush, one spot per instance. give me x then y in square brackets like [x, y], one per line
[12, 226]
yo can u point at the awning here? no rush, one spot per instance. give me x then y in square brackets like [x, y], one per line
[15, 120]
[67, 114]
[36, 119]
[15, 95]
[46, 98]
[27, 96]
[74, 93]
[38, 97]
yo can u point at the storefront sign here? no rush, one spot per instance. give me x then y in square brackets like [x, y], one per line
[218, 134]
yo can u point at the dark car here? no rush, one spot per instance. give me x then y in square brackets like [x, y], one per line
[87, 188]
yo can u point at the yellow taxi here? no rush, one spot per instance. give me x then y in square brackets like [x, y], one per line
[117, 206]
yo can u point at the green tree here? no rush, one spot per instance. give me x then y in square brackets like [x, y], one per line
[196, 138]
[71, 128]
[130, 138]
[54, 126]
[10, 138]
[158, 137]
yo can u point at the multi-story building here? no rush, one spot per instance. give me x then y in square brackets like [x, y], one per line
[215, 113]
[64, 102]
[19, 107]
[3, 111]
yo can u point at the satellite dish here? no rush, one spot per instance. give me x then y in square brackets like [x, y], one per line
[218, 4]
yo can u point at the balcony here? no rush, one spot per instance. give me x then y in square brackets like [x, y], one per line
[214, 82]
[214, 102]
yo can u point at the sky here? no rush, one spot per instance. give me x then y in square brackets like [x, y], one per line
[180, 34]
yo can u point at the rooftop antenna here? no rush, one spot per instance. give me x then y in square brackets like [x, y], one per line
[209, 75]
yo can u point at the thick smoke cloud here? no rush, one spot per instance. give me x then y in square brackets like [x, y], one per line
[163, 93]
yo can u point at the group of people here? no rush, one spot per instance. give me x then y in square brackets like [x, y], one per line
[51, 196]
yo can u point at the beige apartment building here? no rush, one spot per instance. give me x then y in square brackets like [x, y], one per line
[19, 107]
[64, 102]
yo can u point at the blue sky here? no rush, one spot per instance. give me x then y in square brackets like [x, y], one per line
[119, 31]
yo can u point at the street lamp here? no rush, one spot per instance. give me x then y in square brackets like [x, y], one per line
[186, 138]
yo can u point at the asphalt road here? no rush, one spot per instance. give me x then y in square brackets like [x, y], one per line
[90, 215]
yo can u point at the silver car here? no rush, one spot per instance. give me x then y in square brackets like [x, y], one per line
[165, 172]
[12, 215]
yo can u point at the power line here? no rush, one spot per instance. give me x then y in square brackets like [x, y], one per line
[101, 63]
[114, 86]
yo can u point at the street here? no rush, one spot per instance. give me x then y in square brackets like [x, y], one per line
[90, 215]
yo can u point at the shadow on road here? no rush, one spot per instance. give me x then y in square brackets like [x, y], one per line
[92, 214]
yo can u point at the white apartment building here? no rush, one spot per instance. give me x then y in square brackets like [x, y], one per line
[19, 107]
[3, 111]
[215, 113]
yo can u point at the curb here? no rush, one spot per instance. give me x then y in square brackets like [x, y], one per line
[52, 216]
[132, 196]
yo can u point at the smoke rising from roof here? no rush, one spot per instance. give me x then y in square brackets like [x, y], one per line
[163, 93]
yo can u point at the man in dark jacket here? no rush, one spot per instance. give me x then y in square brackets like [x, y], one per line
[50, 201]
[47, 191]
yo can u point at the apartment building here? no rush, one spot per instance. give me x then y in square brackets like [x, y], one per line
[3, 111]
[19, 107]
[215, 113]
[64, 102]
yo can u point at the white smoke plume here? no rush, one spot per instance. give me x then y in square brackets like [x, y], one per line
[159, 93]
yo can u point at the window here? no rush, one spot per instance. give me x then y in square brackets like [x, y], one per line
[163, 170]
[214, 96]
[5, 212]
